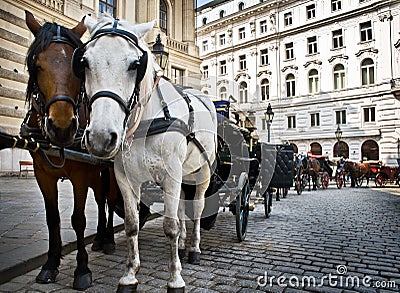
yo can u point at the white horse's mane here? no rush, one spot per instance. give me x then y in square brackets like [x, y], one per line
[152, 66]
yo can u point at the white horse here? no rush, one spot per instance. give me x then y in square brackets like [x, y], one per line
[116, 69]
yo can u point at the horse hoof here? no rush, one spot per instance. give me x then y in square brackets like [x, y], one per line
[47, 276]
[82, 282]
[109, 248]
[176, 290]
[194, 258]
[181, 253]
[126, 288]
[97, 245]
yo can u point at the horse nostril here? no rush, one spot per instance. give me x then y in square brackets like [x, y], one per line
[113, 140]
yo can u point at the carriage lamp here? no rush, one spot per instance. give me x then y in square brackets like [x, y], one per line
[338, 134]
[161, 55]
[269, 116]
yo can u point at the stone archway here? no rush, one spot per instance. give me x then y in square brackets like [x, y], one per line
[316, 148]
[341, 149]
[370, 150]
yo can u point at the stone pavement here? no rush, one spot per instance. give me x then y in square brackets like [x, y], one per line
[323, 241]
[23, 229]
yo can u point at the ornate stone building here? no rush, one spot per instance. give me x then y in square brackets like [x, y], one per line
[175, 24]
[319, 64]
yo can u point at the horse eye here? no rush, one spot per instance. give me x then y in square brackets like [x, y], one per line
[84, 62]
[38, 68]
[134, 65]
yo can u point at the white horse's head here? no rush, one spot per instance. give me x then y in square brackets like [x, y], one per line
[117, 63]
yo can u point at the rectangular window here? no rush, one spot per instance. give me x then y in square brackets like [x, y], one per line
[310, 11]
[242, 33]
[264, 57]
[222, 67]
[366, 31]
[242, 62]
[291, 122]
[263, 26]
[341, 117]
[337, 38]
[288, 20]
[177, 75]
[205, 46]
[312, 45]
[108, 6]
[336, 5]
[263, 124]
[205, 72]
[369, 114]
[222, 40]
[314, 119]
[289, 51]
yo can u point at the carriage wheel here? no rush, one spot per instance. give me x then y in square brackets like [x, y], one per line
[380, 180]
[299, 181]
[325, 180]
[339, 180]
[242, 206]
[267, 202]
[359, 181]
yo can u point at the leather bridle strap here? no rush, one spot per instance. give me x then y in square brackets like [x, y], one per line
[61, 98]
[111, 95]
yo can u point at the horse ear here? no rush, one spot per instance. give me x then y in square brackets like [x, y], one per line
[32, 23]
[80, 28]
[142, 29]
[90, 23]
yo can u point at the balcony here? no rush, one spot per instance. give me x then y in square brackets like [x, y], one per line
[396, 87]
[177, 46]
[56, 5]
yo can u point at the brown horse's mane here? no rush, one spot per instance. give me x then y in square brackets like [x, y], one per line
[42, 40]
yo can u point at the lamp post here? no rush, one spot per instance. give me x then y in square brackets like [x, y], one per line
[269, 116]
[161, 55]
[398, 148]
[338, 134]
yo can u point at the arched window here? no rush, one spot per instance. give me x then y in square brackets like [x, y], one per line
[243, 92]
[341, 149]
[313, 81]
[163, 16]
[222, 93]
[338, 77]
[204, 20]
[369, 150]
[241, 6]
[316, 148]
[290, 85]
[265, 89]
[367, 72]
[221, 13]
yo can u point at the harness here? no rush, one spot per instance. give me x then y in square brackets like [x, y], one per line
[133, 108]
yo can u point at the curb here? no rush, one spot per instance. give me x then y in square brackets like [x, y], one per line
[35, 262]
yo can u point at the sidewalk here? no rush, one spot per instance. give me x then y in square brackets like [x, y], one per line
[23, 229]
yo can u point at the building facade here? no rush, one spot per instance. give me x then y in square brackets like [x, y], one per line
[320, 64]
[175, 24]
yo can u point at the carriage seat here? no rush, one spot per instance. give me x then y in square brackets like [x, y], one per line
[25, 167]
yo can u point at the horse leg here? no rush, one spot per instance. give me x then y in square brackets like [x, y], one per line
[128, 282]
[171, 190]
[48, 187]
[198, 206]
[182, 234]
[100, 190]
[82, 273]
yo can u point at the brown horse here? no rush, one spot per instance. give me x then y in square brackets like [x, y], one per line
[358, 171]
[54, 97]
[311, 167]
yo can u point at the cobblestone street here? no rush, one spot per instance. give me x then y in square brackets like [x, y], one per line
[325, 241]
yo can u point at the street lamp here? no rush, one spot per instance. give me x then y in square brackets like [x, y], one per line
[161, 55]
[269, 116]
[338, 134]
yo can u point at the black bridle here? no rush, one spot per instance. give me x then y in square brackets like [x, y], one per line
[141, 68]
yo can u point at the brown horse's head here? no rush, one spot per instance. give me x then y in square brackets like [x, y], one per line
[53, 89]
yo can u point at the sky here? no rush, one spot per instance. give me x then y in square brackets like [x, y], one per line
[201, 2]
